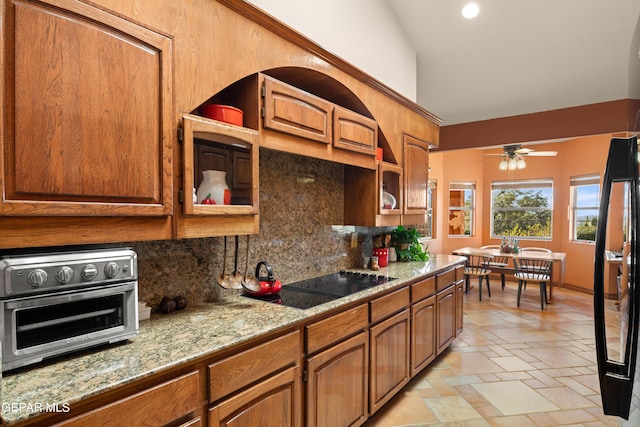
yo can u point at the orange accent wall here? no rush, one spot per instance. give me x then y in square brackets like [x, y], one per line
[576, 157]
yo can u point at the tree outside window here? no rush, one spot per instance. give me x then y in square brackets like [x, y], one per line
[461, 208]
[522, 209]
[585, 204]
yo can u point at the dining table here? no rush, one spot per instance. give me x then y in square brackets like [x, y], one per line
[556, 258]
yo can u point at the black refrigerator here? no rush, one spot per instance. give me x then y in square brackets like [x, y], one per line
[616, 283]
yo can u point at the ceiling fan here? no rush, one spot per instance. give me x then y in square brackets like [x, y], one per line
[513, 156]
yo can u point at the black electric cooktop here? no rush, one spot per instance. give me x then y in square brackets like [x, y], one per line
[319, 290]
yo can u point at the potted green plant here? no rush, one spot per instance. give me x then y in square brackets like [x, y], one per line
[408, 247]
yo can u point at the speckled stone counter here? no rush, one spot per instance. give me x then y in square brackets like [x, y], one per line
[170, 340]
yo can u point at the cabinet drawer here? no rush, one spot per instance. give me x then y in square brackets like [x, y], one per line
[352, 131]
[293, 111]
[459, 272]
[445, 279]
[331, 330]
[242, 369]
[158, 405]
[385, 306]
[423, 289]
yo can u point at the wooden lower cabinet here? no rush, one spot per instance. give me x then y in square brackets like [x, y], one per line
[423, 334]
[446, 317]
[337, 384]
[271, 403]
[389, 341]
[159, 405]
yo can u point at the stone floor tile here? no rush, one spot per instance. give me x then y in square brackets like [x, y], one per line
[514, 397]
[452, 408]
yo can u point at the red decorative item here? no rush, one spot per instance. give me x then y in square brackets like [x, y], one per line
[269, 285]
[223, 113]
[383, 256]
[208, 200]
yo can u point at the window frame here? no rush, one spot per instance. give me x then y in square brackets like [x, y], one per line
[466, 186]
[536, 183]
[574, 184]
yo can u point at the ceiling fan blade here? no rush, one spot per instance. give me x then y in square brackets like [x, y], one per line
[542, 153]
[523, 151]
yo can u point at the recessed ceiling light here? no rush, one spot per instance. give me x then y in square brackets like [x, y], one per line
[470, 10]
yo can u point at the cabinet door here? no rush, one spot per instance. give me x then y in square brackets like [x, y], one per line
[459, 306]
[271, 403]
[355, 132]
[423, 334]
[290, 110]
[390, 181]
[221, 137]
[389, 342]
[337, 384]
[416, 175]
[90, 129]
[446, 317]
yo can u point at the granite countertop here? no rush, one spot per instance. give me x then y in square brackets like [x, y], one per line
[169, 340]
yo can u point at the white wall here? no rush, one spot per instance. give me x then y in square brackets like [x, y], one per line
[634, 64]
[363, 32]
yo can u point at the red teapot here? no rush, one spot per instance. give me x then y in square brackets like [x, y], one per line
[268, 284]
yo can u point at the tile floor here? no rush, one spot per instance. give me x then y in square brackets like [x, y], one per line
[515, 367]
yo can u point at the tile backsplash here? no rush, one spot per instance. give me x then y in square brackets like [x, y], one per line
[301, 199]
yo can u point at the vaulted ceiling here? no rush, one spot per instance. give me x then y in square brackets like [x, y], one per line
[521, 60]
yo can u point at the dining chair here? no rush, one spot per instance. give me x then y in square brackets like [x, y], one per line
[533, 269]
[477, 267]
[497, 261]
[534, 249]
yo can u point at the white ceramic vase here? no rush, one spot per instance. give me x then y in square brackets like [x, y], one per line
[393, 256]
[214, 183]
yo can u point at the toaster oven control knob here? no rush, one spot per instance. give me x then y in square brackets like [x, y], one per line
[89, 271]
[36, 278]
[111, 270]
[64, 274]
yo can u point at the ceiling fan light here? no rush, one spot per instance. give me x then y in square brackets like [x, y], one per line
[512, 164]
[521, 164]
[504, 164]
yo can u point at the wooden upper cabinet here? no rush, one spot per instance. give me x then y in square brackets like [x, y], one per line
[416, 175]
[308, 124]
[391, 184]
[209, 144]
[353, 131]
[88, 124]
[293, 111]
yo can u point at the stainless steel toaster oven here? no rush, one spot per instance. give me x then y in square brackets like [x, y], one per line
[59, 302]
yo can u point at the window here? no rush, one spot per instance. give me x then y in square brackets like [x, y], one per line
[461, 208]
[585, 202]
[522, 208]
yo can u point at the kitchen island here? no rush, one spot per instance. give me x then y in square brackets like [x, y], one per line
[194, 337]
